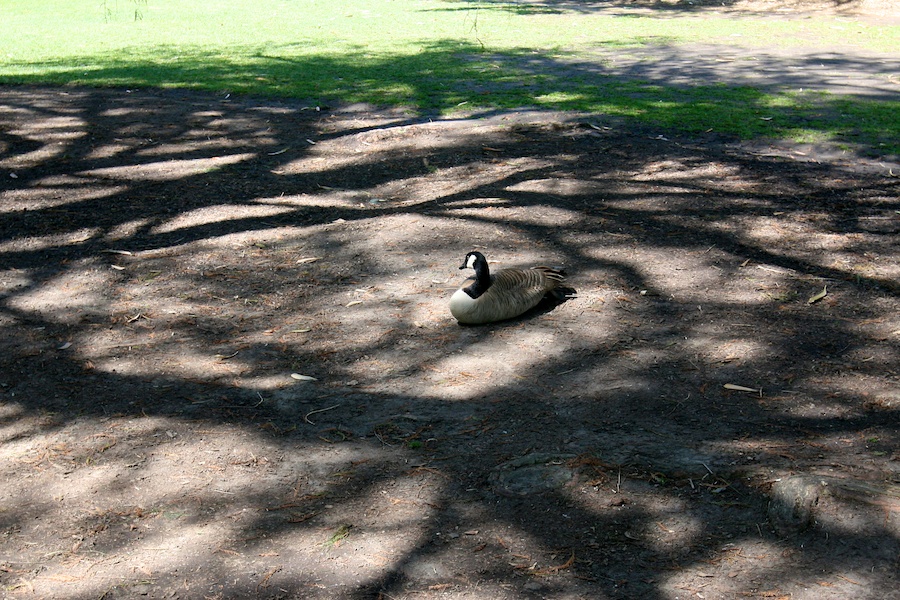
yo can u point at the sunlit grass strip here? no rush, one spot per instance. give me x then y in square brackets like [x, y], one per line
[447, 76]
[435, 55]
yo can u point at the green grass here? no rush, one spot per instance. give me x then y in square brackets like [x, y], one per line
[436, 55]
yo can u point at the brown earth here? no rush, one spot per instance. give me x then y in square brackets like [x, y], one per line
[171, 262]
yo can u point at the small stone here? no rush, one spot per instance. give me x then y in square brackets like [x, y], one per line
[792, 504]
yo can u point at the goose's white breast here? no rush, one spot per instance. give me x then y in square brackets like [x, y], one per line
[461, 305]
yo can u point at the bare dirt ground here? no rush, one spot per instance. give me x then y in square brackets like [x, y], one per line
[175, 267]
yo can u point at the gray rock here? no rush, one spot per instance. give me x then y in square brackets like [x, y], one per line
[792, 503]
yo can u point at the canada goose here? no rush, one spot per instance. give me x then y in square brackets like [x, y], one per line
[506, 294]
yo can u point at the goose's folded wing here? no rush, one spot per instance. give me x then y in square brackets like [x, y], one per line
[518, 290]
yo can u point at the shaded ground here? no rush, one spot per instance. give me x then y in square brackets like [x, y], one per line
[876, 9]
[170, 260]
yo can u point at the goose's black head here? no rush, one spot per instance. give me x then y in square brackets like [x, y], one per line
[474, 260]
[482, 280]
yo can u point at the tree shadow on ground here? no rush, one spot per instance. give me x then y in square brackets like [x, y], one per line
[171, 259]
[824, 96]
[527, 7]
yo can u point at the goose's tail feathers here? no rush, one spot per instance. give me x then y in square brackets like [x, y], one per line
[553, 273]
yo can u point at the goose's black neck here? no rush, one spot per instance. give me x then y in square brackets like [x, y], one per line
[482, 274]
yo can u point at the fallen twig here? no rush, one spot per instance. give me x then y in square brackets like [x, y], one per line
[265, 580]
[312, 412]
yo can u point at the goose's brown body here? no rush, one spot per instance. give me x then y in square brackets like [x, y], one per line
[502, 295]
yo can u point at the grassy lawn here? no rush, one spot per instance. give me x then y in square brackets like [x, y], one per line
[438, 56]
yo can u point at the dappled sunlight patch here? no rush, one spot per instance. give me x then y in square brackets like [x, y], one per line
[54, 127]
[168, 170]
[13, 279]
[542, 216]
[357, 545]
[395, 307]
[27, 160]
[813, 406]
[673, 169]
[146, 553]
[702, 176]
[72, 465]
[436, 180]
[34, 243]
[807, 238]
[39, 117]
[217, 214]
[151, 358]
[138, 341]
[49, 194]
[669, 527]
[735, 567]
[127, 230]
[155, 496]
[874, 265]
[717, 348]
[376, 140]
[316, 161]
[641, 198]
[436, 187]
[805, 234]
[327, 199]
[875, 352]
[54, 136]
[122, 111]
[557, 186]
[80, 290]
[174, 312]
[393, 340]
[228, 123]
[480, 202]
[409, 252]
[476, 372]
[683, 276]
[855, 391]
[108, 151]
[560, 98]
